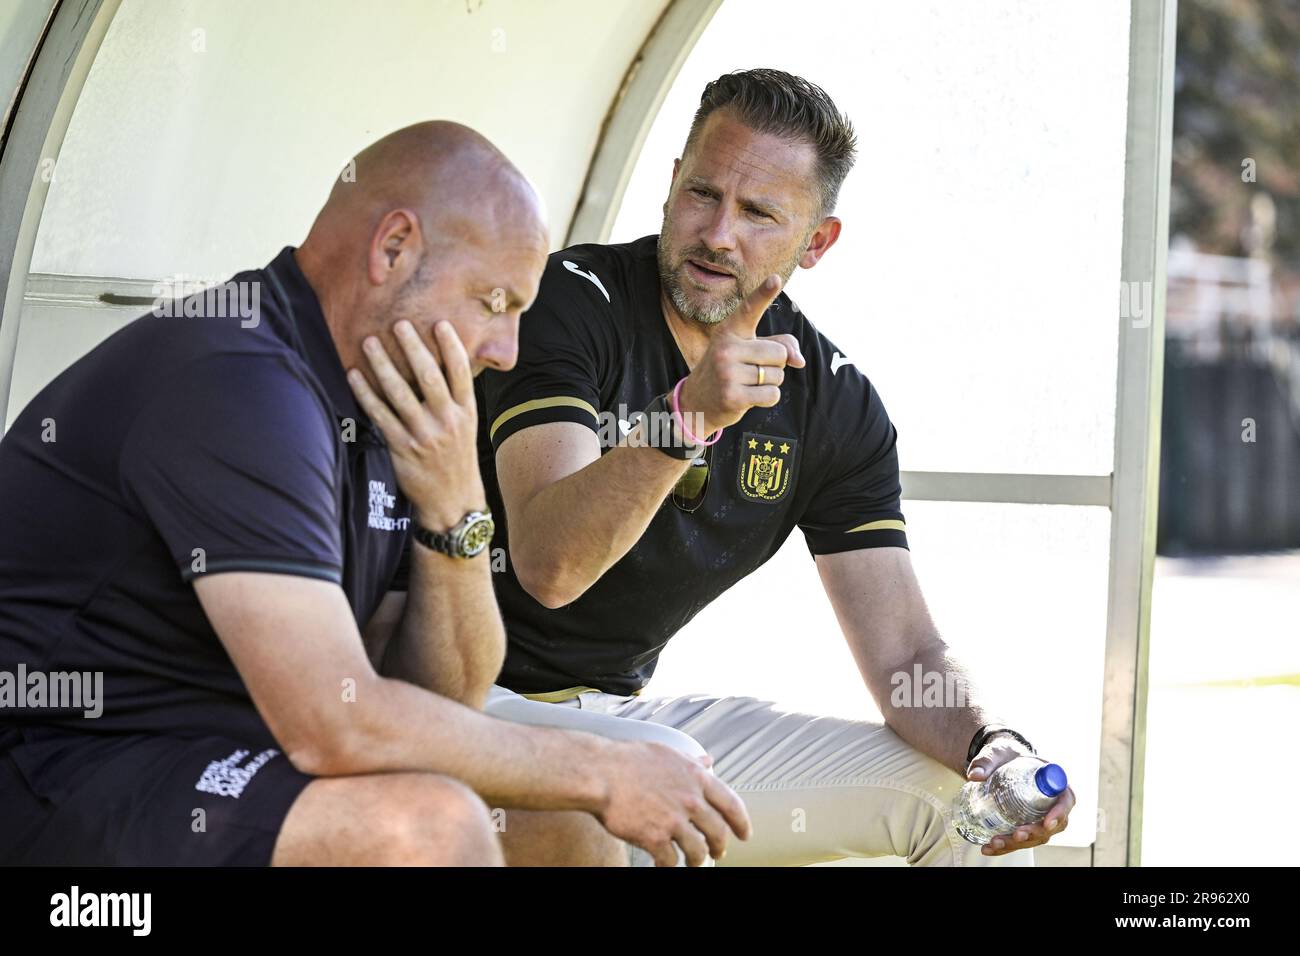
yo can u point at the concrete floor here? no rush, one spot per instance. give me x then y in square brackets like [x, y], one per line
[1224, 712]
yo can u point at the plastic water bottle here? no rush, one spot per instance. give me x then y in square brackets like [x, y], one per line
[1019, 793]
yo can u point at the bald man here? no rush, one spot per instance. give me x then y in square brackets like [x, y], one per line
[246, 613]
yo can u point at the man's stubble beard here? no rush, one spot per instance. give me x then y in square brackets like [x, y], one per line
[718, 311]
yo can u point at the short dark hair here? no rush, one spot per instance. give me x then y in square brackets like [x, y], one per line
[781, 104]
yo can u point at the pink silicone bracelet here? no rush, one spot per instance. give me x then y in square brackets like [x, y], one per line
[681, 423]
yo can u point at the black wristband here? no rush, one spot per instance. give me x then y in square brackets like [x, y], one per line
[988, 730]
[661, 432]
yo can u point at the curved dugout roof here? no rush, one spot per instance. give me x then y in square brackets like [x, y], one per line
[207, 133]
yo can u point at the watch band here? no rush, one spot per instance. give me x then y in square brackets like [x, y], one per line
[466, 539]
[659, 417]
[988, 730]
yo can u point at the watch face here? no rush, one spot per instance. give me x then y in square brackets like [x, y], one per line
[477, 536]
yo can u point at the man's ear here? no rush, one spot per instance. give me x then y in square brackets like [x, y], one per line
[822, 238]
[395, 247]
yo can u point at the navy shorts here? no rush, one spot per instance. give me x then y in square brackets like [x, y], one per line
[83, 799]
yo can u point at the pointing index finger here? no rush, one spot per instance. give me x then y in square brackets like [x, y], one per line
[744, 321]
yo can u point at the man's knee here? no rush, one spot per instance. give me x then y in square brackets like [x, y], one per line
[398, 819]
[680, 741]
[934, 839]
[438, 819]
[506, 705]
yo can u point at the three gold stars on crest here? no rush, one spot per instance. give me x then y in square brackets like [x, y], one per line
[767, 446]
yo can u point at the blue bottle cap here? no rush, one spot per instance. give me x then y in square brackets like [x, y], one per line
[1050, 779]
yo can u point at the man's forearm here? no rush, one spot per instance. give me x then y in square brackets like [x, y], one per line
[450, 639]
[394, 726]
[941, 728]
[575, 529]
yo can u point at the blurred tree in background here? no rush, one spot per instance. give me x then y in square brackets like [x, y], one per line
[1232, 332]
[1237, 98]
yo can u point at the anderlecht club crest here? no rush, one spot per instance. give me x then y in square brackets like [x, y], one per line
[766, 466]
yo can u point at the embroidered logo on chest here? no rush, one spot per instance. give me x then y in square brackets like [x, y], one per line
[766, 466]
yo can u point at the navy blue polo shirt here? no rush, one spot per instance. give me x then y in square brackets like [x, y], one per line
[186, 445]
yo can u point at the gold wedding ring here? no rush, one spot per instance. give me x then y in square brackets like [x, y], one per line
[760, 375]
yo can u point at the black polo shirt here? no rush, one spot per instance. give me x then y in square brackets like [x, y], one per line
[186, 445]
[594, 349]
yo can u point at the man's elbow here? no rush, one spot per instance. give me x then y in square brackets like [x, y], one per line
[548, 584]
[550, 596]
[471, 685]
[320, 756]
[326, 748]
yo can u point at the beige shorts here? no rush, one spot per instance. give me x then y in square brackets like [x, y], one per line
[817, 788]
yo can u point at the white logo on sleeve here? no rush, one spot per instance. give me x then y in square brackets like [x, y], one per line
[381, 502]
[837, 360]
[572, 267]
[226, 778]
